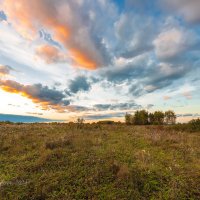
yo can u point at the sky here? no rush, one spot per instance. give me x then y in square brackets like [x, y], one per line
[99, 59]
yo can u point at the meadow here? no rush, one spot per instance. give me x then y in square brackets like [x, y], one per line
[98, 161]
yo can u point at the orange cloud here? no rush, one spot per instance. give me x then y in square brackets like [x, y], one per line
[61, 32]
[82, 60]
[28, 17]
[47, 98]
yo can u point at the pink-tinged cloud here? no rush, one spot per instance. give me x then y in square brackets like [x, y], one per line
[189, 9]
[50, 54]
[5, 70]
[169, 43]
[166, 98]
[187, 95]
[63, 20]
[44, 96]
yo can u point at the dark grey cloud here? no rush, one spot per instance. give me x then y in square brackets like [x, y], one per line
[48, 98]
[142, 76]
[136, 89]
[79, 84]
[158, 78]
[165, 76]
[117, 106]
[129, 71]
[136, 74]
[149, 106]
[188, 115]
[122, 74]
[196, 115]
[105, 107]
[47, 94]
[77, 108]
[102, 106]
[105, 116]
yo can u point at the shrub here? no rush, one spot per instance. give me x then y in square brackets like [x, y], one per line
[106, 122]
[191, 126]
[194, 125]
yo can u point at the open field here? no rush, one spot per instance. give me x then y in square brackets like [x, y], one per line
[63, 161]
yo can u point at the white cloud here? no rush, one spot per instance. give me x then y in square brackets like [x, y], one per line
[173, 41]
[169, 43]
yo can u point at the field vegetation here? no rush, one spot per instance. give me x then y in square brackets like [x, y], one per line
[59, 161]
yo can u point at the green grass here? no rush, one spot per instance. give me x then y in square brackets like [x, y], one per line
[61, 161]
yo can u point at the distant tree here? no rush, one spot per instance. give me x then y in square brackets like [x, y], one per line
[170, 117]
[159, 117]
[136, 118]
[140, 117]
[151, 118]
[128, 119]
[80, 122]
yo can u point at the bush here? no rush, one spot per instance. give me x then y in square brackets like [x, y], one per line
[194, 125]
[106, 122]
[191, 126]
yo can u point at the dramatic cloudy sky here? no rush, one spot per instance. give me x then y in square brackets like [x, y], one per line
[99, 59]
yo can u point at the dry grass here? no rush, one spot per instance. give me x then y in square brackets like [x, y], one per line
[61, 161]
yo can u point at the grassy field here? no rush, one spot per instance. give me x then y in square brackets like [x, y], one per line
[62, 161]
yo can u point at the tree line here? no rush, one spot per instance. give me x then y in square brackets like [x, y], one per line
[143, 117]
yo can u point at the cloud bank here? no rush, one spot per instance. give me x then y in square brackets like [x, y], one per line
[39, 94]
